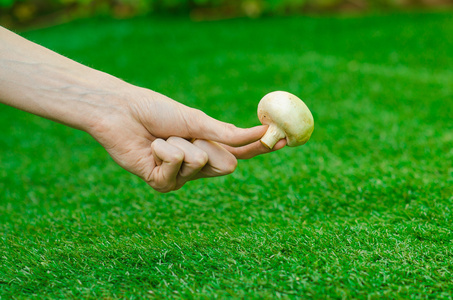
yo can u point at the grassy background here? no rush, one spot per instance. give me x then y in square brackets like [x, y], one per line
[363, 210]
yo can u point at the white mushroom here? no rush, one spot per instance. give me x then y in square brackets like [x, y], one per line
[287, 116]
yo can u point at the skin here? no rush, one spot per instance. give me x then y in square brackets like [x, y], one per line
[150, 135]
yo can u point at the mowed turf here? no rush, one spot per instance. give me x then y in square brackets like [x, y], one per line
[363, 210]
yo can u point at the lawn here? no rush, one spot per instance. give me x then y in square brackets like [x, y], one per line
[363, 210]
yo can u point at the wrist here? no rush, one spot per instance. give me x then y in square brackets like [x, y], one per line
[110, 106]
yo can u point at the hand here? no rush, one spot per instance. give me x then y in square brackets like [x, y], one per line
[145, 132]
[150, 136]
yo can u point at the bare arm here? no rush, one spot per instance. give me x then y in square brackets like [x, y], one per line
[145, 132]
[42, 82]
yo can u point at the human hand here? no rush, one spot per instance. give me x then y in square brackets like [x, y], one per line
[145, 132]
[167, 143]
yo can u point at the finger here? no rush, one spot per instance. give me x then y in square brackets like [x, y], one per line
[204, 127]
[194, 158]
[253, 149]
[220, 162]
[163, 177]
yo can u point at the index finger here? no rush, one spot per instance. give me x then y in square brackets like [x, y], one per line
[253, 149]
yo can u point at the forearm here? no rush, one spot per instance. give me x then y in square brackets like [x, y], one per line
[42, 82]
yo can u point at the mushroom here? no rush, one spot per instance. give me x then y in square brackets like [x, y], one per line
[287, 116]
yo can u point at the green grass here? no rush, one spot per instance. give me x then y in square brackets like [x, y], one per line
[364, 210]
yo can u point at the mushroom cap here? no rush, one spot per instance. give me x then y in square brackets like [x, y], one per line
[288, 113]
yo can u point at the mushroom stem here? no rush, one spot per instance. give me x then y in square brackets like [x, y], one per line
[272, 136]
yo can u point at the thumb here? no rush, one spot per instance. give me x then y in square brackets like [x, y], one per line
[208, 128]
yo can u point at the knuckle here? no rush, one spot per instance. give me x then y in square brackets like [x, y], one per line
[172, 139]
[199, 142]
[162, 188]
[193, 121]
[229, 166]
[155, 143]
[200, 159]
[199, 114]
[229, 131]
[148, 178]
[161, 185]
[176, 157]
[177, 187]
